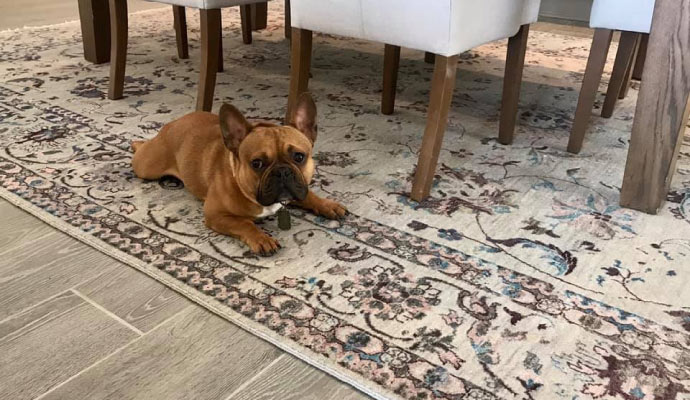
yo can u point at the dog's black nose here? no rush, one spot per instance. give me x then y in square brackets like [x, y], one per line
[283, 172]
[281, 185]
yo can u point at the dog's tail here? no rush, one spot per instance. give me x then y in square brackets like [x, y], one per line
[136, 144]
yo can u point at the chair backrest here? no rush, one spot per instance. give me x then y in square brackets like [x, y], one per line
[445, 27]
[623, 15]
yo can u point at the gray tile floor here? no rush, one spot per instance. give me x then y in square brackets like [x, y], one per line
[76, 324]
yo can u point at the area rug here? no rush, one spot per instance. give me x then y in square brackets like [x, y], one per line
[519, 278]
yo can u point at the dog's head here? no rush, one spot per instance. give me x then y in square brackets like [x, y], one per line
[272, 164]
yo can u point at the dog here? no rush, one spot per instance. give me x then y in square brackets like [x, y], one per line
[241, 171]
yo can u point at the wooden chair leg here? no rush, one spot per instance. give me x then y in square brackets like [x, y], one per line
[259, 16]
[180, 17]
[590, 86]
[442, 85]
[300, 65]
[246, 17]
[627, 78]
[515, 62]
[641, 57]
[118, 48]
[95, 30]
[288, 20]
[429, 58]
[210, 25]
[626, 48]
[391, 63]
[220, 44]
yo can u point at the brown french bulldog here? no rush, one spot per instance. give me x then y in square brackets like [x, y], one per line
[241, 171]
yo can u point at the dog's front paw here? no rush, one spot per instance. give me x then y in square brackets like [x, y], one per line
[329, 209]
[262, 244]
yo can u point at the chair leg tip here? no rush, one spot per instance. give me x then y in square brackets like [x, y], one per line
[505, 141]
[572, 149]
[418, 195]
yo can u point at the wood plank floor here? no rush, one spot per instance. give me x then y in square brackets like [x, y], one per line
[76, 324]
[17, 14]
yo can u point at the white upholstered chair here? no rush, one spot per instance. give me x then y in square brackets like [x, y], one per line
[634, 19]
[446, 28]
[211, 41]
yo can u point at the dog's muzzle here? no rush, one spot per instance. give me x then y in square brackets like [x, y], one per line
[281, 184]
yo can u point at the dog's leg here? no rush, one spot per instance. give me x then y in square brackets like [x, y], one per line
[245, 230]
[152, 160]
[325, 207]
[136, 144]
[242, 228]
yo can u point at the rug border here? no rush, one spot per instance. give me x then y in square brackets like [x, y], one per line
[310, 357]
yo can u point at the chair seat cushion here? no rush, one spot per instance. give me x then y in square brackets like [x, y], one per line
[445, 27]
[623, 15]
[206, 4]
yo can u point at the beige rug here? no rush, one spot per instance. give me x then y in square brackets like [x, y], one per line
[520, 278]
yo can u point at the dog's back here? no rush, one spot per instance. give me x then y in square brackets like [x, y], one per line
[188, 148]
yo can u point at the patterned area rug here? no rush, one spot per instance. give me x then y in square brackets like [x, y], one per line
[519, 278]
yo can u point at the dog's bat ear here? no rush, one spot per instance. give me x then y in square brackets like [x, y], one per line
[233, 126]
[304, 116]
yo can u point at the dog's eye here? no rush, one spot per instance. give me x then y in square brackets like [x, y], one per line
[298, 157]
[257, 163]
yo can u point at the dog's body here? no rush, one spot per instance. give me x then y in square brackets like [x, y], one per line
[241, 171]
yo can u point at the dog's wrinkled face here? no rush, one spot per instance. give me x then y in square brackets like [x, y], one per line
[275, 163]
[272, 164]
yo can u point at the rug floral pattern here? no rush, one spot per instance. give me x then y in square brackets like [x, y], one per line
[519, 278]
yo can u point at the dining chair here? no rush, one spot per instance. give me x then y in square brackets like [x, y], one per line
[633, 18]
[211, 41]
[445, 28]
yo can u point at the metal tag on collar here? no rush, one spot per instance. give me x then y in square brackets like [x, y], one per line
[283, 219]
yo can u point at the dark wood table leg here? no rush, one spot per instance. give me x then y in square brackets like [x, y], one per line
[288, 20]
[95, 30]
[246, 18]
[662, 109]
[221, 68]
[259, 16]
